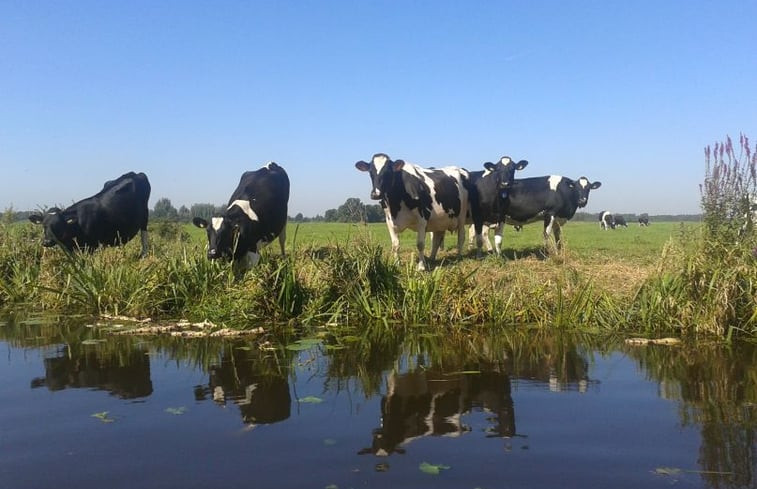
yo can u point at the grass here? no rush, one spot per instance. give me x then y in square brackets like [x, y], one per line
[342, 274]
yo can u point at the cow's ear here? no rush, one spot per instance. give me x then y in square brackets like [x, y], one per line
[200, 222]
[489, 166]
[521, 164]
[36, 218]
[398, 165]
[595, 185]
[362, 166]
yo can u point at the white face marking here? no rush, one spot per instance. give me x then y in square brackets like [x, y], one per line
[246, 208]
[216, 222]
[583, 183]
[554, 180]
[379, 162]
[505, 160]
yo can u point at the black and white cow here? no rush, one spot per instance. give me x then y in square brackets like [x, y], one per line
[644, 219]
[422, 199]
[620, 221]
[488, 194]
[111, 217]
[255, 215]
[606, 220]
[551, 199]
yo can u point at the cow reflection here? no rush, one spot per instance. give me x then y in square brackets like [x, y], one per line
[124, 375]
[431, 404]
[262, 399]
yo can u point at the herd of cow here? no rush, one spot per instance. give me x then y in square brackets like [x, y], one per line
[434, 200]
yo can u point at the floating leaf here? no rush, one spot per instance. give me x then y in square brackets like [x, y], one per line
[667, 471]
[92, 342]
[332, 486]
[335, 347]
[310, 400]
[103, 416]
[177, 411]
[243, 348]
[432, 469]
[329, 442]
[296, 347]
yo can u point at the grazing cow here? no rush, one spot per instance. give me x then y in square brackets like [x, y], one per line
[488, 194]
[606, 221]
[255, 215]
[109, 218]
[620, 221]
[422, 199]
[551, 199]
[644, 219]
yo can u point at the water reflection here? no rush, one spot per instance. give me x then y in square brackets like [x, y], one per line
[251, 381]
[124, 375]
[420, 384]
[431, 403]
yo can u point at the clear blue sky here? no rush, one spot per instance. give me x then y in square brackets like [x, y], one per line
[195, 93]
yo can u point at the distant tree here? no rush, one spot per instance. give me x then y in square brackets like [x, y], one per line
[330, 215]
[374, 213]
[205, 211]
[164, 210]
[299, 217]
[351, 211]
[184, 214]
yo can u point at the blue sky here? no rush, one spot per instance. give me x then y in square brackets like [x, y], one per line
[195, 93]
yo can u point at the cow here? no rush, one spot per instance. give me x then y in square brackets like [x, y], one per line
[644, 220]
[423, 199]
[488, 194]
[620, 221]
[111, 217]
[255, 215]
[606, 221]
[552, 199]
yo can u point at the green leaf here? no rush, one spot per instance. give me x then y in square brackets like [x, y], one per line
[103, 416]
[332, 486]
[177, 411]
[432, 469]
[303, 344]
[244, 348]
[329, 442]
[310, 400]
[667, 471]
[92, 342]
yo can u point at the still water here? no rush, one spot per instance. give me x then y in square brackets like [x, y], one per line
[519, 409]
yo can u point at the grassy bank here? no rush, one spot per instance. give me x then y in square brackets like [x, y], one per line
[624, 280]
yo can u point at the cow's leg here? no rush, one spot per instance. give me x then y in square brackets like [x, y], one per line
[549, 226]
[143, 236]
[497, 238]
[461, 237]
[477, 230]
[557, 229]
[471, 235]
[283, 239]
[420, 244]
[485, 235]
[437, 240]
[395, 239]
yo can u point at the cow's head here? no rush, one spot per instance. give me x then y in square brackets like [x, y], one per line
[382, 171]
[59, 228]
[503, 173]
[582, 187]
[222, 236]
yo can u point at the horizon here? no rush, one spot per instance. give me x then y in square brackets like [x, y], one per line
[193, 94]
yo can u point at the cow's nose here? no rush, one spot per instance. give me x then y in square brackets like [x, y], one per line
[47, 243]
[212, 253]
[376, 195]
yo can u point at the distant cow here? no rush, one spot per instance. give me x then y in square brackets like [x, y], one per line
[422, 199]
[620, 221]
[489, 198]
[256, 214]
[606, 221]
[551, 199]
[644, 220]
[109, 218]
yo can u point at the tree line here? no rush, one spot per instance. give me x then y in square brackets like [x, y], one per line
[352, 210]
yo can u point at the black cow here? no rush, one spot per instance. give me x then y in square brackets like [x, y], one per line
[434, 200]
[620, 221]
[551, 199]
[109, 218]
[644, 220]
[256, 214]
[488, 194]
[606, 220]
